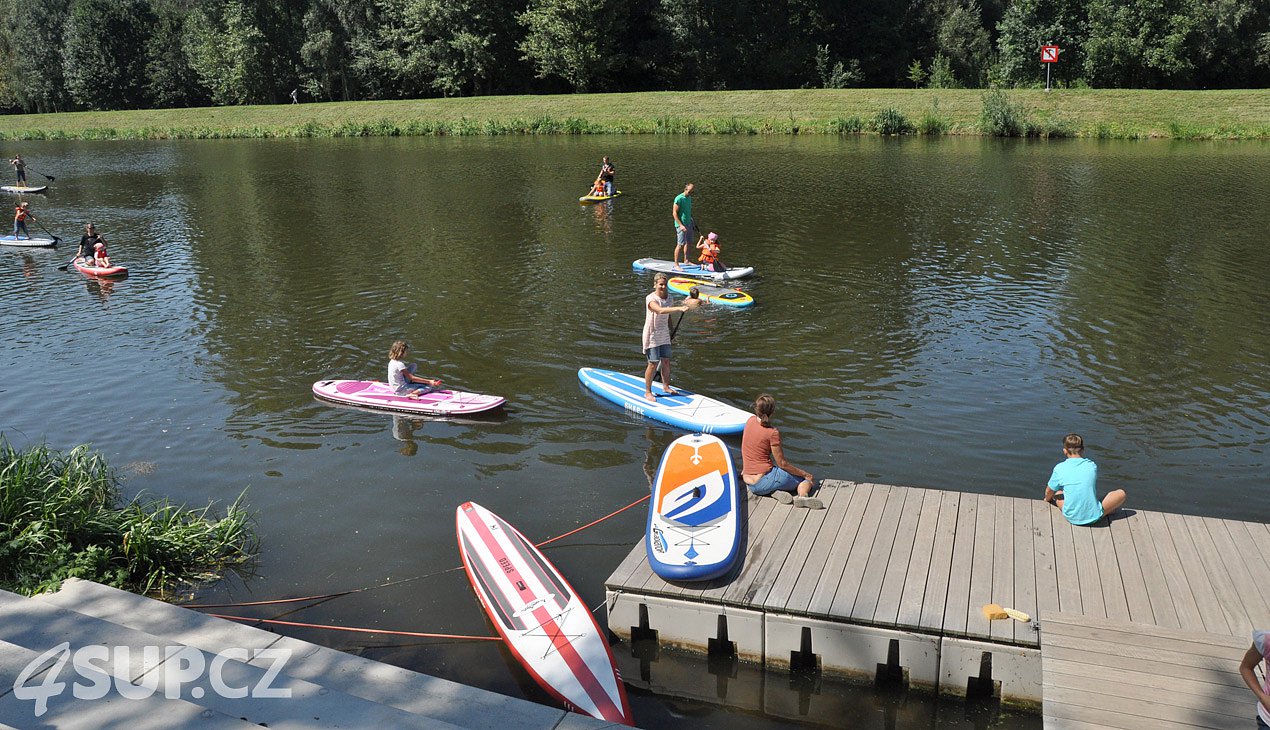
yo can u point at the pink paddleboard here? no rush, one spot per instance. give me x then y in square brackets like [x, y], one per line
[100, 270]
[540, 616]
[375, 394]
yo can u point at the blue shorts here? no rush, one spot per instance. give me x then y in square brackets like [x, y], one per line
[683, 236]
[658, 353]
[776, 480]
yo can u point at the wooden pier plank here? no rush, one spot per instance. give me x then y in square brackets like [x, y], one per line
[1002, 592]
[1134, 584]
[935, 596]
[1242, 536]
[886, 606]
[956, 607]
[1069, 597]
[1228, 594]
[803, 555]
[858, 598]
[780, 554]
[1163, 612]
[1210, 610]
[1025, 549]
[981, 567]
[1087, 572]
[848, 584]
[1044, 566]
[1113, 590]
[908, 608]
[835, 547]
[1178, 588]
[761, 515]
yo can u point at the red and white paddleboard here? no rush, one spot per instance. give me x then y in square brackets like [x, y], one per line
[540, 617]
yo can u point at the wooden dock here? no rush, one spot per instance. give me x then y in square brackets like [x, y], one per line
[897, 576]
[1104, 675]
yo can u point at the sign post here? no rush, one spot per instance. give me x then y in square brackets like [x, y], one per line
[1049, 56]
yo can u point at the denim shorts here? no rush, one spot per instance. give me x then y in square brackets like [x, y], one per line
[776, 480]
[683, 236]
[658, 353]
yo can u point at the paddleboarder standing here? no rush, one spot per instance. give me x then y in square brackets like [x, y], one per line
[607, 173]
[19, 165]
[656, 336]
[685, 229]
[22, 212]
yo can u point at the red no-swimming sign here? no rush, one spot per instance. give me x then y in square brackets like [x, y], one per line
[1049, 54]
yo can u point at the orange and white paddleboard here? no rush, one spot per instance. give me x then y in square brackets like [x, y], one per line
[694, 518]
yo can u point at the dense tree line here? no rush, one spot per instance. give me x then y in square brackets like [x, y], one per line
[63, 55]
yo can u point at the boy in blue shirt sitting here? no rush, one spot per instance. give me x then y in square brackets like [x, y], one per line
[1073, 483]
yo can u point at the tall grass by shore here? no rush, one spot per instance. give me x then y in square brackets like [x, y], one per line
[1098, 113]
[61, 517]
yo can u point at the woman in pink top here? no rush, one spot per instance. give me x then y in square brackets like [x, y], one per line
[760, 446]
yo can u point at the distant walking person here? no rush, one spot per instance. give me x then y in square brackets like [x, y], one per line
[19, 166]
[763, 466]
[656, 337]
[685, 229]
[295, 96]
[22, 212]
[1073, 486]
[607, 173]
[1258, 652]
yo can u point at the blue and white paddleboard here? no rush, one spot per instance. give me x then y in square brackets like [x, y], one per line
[694, 517]
[685, 409]
[668, 267]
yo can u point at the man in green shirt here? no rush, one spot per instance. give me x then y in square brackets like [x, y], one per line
[685, 229]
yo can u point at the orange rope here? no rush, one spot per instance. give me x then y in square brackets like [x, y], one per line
[605, 517]
[406, 580]
[358, 630]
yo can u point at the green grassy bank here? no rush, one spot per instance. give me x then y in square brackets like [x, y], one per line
[62, 516]
[1101, 113]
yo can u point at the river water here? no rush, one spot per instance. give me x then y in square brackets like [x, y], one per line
[930, 312]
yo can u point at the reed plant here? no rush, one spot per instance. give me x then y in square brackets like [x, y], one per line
[62, 516]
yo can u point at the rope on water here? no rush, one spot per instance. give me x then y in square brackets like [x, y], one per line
[418, 634]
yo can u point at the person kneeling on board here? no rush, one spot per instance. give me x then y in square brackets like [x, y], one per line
[656, 337]
[1073, 486]
[760, 447]
[709, 246]
[401, 375]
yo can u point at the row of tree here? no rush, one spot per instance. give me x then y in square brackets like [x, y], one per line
[58, 55]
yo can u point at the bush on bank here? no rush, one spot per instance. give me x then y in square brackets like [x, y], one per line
[62, 516]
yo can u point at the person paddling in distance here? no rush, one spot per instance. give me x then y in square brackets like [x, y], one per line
[1073, 486]
[401, 375]
[607, 173]
[20, 216]
[709, 247]
[656, 338]
[19, 166]
[763, 466]
[685, 229]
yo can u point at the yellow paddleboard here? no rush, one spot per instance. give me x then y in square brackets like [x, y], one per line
[711, 292]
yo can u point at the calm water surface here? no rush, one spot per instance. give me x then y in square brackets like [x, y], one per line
[934, 313]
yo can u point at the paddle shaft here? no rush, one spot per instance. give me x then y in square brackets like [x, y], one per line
[50, 178]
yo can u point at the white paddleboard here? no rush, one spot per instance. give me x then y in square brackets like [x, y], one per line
[685, 409]
[540, 616]
[693, 270]
[24, 242]
[23, 189]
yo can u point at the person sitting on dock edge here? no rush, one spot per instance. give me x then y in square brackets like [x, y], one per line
[760, 446]
[1073, 486]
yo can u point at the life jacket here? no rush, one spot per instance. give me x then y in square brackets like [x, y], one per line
[710, 253]
[22, 213]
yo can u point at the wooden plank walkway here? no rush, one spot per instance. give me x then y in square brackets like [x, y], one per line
[1100, 674]
[927, 560]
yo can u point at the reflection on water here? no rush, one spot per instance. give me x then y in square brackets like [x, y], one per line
[929, 312]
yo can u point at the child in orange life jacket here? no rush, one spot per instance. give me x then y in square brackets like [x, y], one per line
[709, 246]
[22, 212]
[598, 188]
